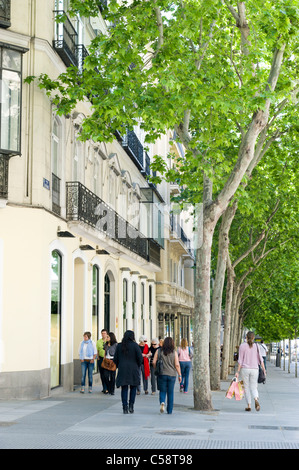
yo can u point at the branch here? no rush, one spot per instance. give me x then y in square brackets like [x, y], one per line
[232, 10]
[160, 28]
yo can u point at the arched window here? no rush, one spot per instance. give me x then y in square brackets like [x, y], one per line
[125, 304]
[56, 293]
[150, 309]
[95, 302]
[142, 308]
[107, 303]
[134, 288]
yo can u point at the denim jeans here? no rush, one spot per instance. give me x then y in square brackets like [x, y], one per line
[185, 371]
[84, 367]
[124, 394]
[166, 387]
[153, 378]
[144, 380]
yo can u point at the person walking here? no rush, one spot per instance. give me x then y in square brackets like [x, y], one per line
[264, 350]
[144, 369]
[101, 353]
[152, 350]
[128, 359]
[87, 354]
[171, 367]
[109, 375]
[184, 354]
[249, 360]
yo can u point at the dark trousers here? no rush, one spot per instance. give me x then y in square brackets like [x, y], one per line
[124, 394]
[144, 380]
[153, 379]
[101, 371]
[109, 379]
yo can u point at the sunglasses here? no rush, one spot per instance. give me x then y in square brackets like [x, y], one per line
[154, 344]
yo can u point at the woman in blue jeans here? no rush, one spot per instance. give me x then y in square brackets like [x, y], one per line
[185, 356]
[171, 368]
[87, 354]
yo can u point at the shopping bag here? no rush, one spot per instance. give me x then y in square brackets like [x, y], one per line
[236, 389]
[231, 389]
[239, 390]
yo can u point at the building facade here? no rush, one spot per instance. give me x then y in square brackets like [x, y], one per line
[79, 245]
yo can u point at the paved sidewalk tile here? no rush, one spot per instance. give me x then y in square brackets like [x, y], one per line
[77, 421]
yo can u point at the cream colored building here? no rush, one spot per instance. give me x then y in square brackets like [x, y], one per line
[77, 244]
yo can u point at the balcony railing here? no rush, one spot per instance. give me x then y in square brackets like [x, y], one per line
[66, 38]
[5, 13]
[133, 147]
[81, 53]
[176, 227]
[103, 4]
[83, 205]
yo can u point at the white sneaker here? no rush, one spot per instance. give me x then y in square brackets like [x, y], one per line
[162, 407]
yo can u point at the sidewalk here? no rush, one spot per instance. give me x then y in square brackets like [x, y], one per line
[95, 421]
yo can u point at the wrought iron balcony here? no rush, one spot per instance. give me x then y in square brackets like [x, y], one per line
[133, 147]
[81, 53]
[103, 4]
[83, 205]
[176, 227]
[5, 13]
[66, 38]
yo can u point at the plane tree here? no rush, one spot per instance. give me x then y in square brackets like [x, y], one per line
[216, 72]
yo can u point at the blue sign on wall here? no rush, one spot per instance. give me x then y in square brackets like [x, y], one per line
[46, 183]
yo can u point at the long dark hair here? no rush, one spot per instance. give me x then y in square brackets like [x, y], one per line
[128, 337]
[112, 337]
[168, 346]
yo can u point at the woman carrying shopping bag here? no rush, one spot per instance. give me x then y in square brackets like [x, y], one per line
[249, 360]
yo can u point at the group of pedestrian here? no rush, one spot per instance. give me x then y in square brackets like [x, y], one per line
[136, 363]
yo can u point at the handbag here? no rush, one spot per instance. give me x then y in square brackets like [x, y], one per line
[261, 377]
[108, 364]
[159, 364]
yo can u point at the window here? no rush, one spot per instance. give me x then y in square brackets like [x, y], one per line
[142, 308]
[150, 303]
[133, 299]
[4, 13]
[95, 302]
[56, 159]
[56, 284]
[10, 103]
[125, 303]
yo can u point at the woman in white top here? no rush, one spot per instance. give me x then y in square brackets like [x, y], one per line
[185, 356]
[87, 354]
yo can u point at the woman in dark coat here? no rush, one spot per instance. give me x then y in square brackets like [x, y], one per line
[128, 359]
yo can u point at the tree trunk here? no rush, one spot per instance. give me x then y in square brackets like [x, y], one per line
[201, 369]
[223, 244]
[227, 321]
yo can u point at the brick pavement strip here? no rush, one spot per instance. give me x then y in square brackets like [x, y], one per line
[76, 421]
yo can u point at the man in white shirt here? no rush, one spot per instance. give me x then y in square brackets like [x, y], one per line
[263, 350]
